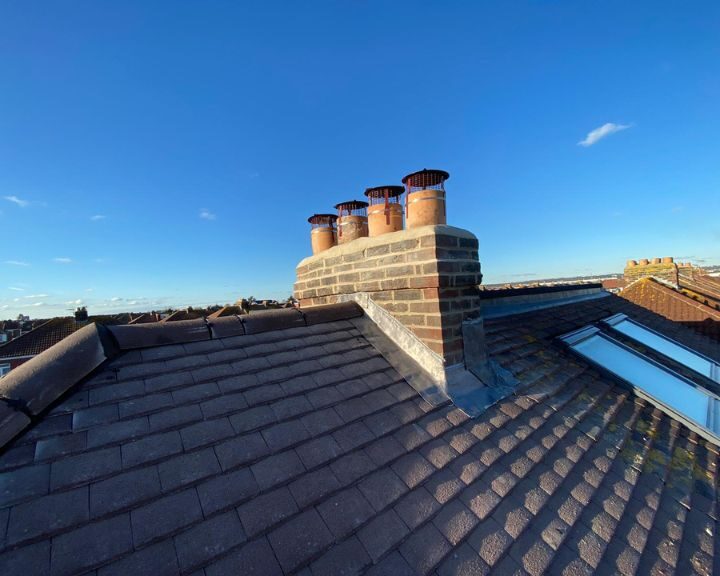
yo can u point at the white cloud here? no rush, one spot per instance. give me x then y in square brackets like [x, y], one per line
[16, 200]
[62, 260]
[76, 302]
[16, 263]
[16, 289]
[598, 134]
[97, 217]
[39, 304]
[115, 299]
[205, 214]
[31, 296]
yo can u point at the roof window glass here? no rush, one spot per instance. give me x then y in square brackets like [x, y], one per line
[663, 387]
[670, 348]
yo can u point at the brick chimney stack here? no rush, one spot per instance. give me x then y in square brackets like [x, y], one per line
[424, 278]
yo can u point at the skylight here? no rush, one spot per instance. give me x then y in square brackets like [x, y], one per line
[681, 354]
[666, 389]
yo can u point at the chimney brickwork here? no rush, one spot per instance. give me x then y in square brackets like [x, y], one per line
[427, 278]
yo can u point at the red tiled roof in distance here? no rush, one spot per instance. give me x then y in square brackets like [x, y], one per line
[674, 305]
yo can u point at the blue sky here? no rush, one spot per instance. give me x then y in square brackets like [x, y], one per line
[169, 153]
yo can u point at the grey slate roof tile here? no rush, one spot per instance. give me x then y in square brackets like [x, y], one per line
[73, 470]
[90, 545]
[382, 488]
[463, 561]
[195, 393]
[53, 447]
[345, 511]
[117, 431]
[413, 469]
[32, 560]
[266, 510]
[145, 404]
[314, 485]
[417, 507]
[382, 533]
[353, 435]
[358, 472]
[285, 434]
[255, 558]
[252, 419]
[159, 560]
[22, 483]
[151, 448]
[299, 539]
[318, 451]
[352, 466]
[187, 468]
[349, 557]
[165, 516]
[123, 490]
[47, 514]
[96, 415]
[211, 538]
[424, 549]
[220, 492]
[206, 432]
[277, 469]
[392, 565]
[175, 417]
[240, 450]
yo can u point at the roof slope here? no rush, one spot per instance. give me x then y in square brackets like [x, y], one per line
[674, 305]
[302, 448]
[705, 287]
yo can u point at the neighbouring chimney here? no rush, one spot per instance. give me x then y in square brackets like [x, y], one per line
[425, 198]
[660, 268]
[323, 234]
[385, 213]
[352, 222]
[81, 314]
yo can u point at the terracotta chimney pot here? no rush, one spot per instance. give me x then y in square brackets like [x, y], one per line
[352, 222]
[323, 234]
[425, 198]
[385, 213]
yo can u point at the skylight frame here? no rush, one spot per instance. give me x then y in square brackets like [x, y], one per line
[713, 372]
[710, 429]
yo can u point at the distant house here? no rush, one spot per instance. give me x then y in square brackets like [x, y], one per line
[11, 329]
[682, 293]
